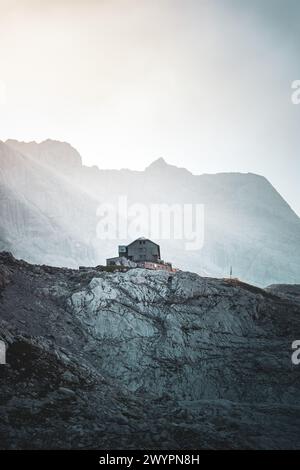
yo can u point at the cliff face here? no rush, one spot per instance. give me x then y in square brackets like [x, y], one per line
[43, 216]
[48, 214]
[145, 359]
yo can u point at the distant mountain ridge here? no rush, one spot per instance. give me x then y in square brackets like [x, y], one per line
[60, 156]
[248, 225]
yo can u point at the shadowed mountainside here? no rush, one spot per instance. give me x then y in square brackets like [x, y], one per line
[144, 359]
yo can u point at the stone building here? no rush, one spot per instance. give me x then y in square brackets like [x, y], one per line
[140, 253]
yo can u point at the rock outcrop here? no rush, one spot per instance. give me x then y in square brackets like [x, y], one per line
[145, 359]
[286, 291]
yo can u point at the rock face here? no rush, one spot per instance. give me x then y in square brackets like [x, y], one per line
[44, 218]
[288, 292]
[59, 156]
[145, 359]
[49, 200]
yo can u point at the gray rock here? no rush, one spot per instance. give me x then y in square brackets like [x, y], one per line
[198, 363]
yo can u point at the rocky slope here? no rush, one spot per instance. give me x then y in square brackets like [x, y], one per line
[49, 200]
[144, 359]
[285, 291]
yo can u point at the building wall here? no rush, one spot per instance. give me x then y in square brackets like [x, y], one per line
[143, 250]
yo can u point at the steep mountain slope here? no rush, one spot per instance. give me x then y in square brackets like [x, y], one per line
[144, 359]
[247, 224]
[59, 156]
[43, 217]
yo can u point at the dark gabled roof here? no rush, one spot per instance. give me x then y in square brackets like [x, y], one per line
[143, 239]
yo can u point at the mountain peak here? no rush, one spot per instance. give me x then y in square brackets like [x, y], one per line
[161, 165]
[158, 163]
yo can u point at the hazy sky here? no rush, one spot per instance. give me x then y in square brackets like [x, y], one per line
[204, 83]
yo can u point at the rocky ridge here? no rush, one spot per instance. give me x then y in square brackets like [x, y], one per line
[144, 359]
